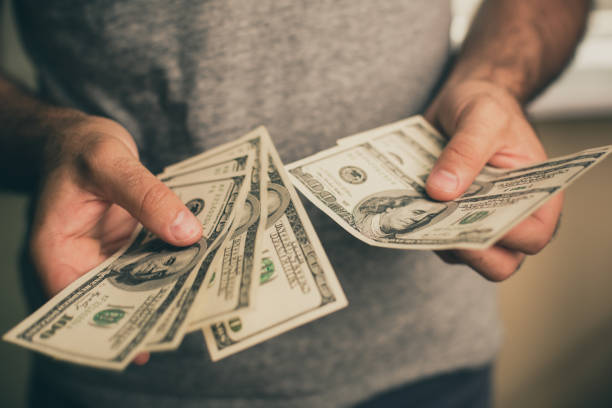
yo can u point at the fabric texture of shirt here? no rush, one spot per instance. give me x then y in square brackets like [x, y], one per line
[183, 76]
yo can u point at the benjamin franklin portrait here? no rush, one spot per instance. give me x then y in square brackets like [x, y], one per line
[154, 264]
[398, 212]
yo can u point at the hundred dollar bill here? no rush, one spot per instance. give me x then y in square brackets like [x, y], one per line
[416, 127]
[554, 173]
[222, 284]
[207, 171]
[412, 144]
[296, 284]
[170, 329]
[229, 284]
[381, 201]
[103, 318]
[222, 152]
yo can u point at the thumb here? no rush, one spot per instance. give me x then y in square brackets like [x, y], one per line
[125, 181]
[462, 159]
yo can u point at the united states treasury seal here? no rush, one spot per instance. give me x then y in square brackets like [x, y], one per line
[353, 174]
[195, 206]
[108, 316]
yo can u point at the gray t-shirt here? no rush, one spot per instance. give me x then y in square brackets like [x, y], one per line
[186, 75]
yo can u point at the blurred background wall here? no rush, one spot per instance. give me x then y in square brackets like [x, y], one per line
[14, 361]
[557, 311]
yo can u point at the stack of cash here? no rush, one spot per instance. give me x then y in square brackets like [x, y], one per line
[258, 270]
[373, 185]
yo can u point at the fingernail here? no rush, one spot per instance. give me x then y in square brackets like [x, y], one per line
[443, 180]
[185, 226]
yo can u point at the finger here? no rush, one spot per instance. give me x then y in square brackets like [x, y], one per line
[142, 358]
[448, 257]
[462, 159]
[536, 231]
[495, 263]
[125, 181]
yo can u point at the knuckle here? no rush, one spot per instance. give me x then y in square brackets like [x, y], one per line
[464, 153]
[539, 243]
[94, 157]
[153, 199]
[501, 271]
[494, 103]
[130, 173]
[492, 108]
[93, 150]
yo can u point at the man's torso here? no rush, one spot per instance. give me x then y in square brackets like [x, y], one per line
[184, 76]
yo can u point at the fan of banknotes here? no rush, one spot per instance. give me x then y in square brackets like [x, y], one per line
[259, 268]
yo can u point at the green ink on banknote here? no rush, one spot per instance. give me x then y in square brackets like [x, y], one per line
[267, 271]
[473, 217]
[235, 324]
[108, 316]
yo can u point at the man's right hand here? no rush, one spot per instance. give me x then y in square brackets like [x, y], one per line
[94, 191]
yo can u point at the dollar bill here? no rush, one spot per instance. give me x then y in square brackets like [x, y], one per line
[296, 284]
[222, 152]
[229, 283]
[373, 188]
[223, 282]
[416, 127]
[149, 294]
[207, 171]
[170, 329]
[103, 318]
[412, 144]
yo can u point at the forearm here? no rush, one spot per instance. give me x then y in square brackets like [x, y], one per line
[521, 45]
[26, 126]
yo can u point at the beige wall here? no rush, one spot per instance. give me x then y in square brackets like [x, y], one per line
[558, 309]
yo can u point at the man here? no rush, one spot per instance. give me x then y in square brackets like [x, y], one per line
[169, 80]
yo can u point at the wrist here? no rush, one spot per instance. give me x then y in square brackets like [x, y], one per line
[519, 83]
[457, 98]
[486, 85]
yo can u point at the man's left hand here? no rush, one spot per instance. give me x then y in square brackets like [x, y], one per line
[487, 125]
